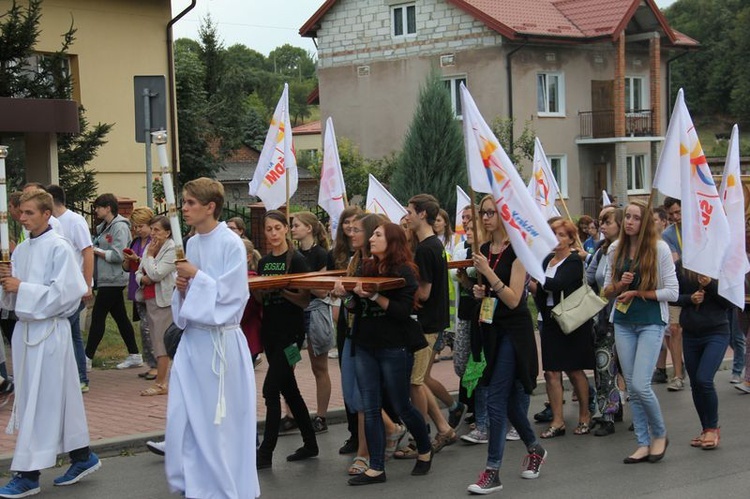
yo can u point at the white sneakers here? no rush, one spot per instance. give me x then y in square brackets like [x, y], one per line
[132, 360]
[89, 365]
[156, 447]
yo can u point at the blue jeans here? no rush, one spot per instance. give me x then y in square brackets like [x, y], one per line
[638, 347]
[506, 401]
[387, 370]
[78, 349]
[703, 356]
[480, 408]
[737, 341]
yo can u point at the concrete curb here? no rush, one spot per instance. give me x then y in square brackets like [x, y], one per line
[136, 443]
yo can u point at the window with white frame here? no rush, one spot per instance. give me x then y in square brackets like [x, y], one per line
[559, 166]
[635, 93]
[550, 91]
[638, 171]
[453, 84]
[404, 20]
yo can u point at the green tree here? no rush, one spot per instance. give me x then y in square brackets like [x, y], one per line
[26, 73]
[710, 74]
[196, 159]
[211, 54]
[356, 168]
[292, 62]
[432, 159]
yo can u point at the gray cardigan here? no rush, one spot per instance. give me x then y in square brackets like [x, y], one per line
[112, 238]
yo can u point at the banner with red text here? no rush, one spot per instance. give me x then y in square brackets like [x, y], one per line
[542, 184]
[276, 160]
[683, 173]
[491, 171]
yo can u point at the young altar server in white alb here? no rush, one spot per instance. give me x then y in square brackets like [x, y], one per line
[44, 286]
[210, 437]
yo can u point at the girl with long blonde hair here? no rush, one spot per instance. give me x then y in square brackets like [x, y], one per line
[643, 280]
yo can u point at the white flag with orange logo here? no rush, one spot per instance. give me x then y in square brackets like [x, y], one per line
[332, 190]
[276, 160]
[462, 201]
[732, 274]
[683, 173]
[490, 170]
[380, 201]
[542, 184]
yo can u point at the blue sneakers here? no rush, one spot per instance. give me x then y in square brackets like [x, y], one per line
[20, 487]
[78, 470]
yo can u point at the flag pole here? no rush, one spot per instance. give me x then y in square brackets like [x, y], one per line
[4, 231]
[642, 231]
[475, 228]
[286, 176]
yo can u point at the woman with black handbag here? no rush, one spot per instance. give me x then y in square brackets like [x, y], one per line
[572, 352]
[507, 339]
[384, 357]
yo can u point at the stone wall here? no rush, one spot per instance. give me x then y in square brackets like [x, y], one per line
[359, 31]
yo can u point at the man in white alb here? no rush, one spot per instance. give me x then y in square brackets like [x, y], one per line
[44, 286]
[210, 437]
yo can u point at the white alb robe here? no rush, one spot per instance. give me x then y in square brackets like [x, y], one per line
[211, 410]
[48, 408]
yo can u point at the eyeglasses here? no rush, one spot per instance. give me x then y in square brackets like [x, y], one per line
[356, 230]
[487, 213]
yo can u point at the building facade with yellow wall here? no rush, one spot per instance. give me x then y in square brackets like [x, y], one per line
[115, 41]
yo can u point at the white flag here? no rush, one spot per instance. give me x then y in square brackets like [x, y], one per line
[732, 274]
[489, 167]
[380, 201]
[542, 184]
[462, 201]
[683, 173]
[276, 160]
[605, 198]
[332, 189]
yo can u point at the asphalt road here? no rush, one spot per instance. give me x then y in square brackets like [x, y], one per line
[577, 466]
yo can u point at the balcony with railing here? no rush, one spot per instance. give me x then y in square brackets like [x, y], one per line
[601, 124]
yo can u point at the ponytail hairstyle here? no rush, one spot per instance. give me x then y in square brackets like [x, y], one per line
[318, 229]
[280, 217]
[341, 248]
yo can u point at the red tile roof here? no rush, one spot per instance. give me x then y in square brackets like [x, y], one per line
[563, 20]
[311, 128]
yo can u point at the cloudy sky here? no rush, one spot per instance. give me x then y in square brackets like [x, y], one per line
[261, 25]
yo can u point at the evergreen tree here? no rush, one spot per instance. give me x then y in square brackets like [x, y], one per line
[25, 73]
[432, 159]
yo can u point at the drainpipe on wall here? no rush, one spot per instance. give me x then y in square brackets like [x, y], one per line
[669, 82]
[509, 75]
[171, 82]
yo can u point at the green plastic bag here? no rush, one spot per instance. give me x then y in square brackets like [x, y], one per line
[474, 372]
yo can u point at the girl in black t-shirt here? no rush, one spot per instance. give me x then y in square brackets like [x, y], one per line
[383, 361]
[310, 235]
[282, 333]
[507, 339]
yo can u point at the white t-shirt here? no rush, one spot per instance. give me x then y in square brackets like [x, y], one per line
[75, 230]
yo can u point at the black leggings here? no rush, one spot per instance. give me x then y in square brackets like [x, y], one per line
[110, 301]
[280, 380]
